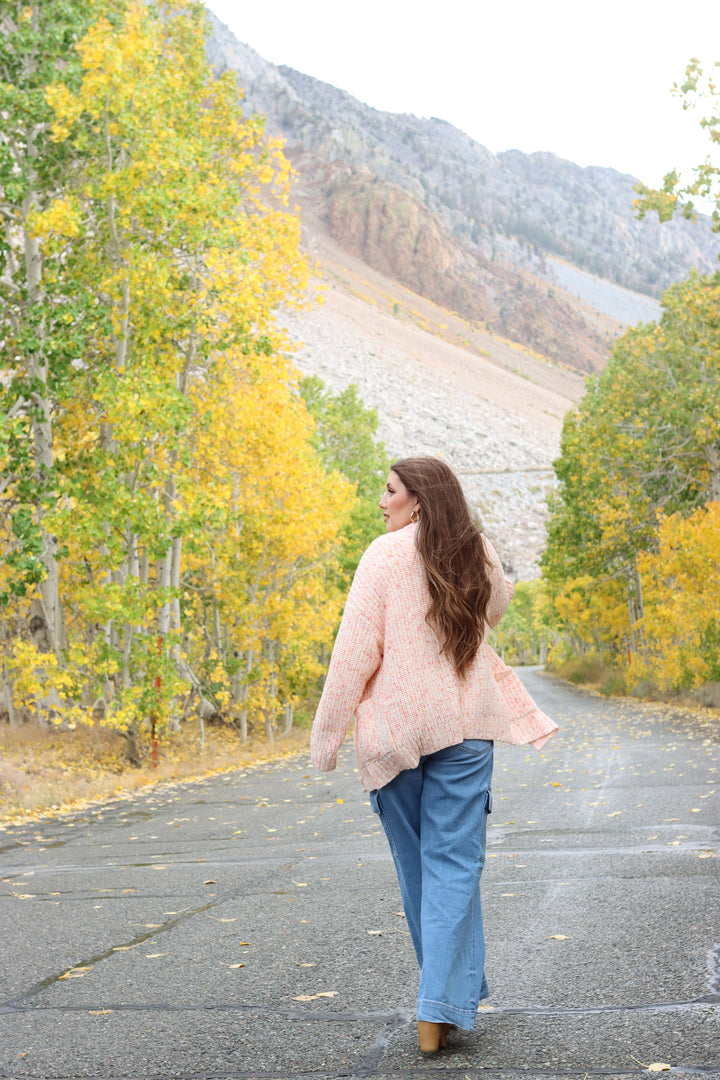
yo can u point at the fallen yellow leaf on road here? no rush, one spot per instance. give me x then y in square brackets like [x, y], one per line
[659, 1066]
[314, 997]
[559, 937]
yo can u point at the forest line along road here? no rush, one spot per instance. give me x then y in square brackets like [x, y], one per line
[249, 925]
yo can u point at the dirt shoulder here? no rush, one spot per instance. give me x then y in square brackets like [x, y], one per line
[46, 772]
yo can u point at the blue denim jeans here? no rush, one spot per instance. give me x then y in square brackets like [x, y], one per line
[435, 819]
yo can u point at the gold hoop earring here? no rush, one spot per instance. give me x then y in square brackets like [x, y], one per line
[414, 516]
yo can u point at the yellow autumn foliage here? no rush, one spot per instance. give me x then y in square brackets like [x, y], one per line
[197, 530]
[631, 561]
[681, 586]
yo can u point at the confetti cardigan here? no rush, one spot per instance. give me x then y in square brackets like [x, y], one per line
[387, 671]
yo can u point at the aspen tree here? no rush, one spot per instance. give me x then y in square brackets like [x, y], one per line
[644, 444]
[36, 46]
[174, 230]
[698, 89]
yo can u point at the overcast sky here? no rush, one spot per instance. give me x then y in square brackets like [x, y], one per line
[588, 81]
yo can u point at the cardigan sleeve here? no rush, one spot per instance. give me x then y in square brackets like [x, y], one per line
[501, 590]
[356, 656]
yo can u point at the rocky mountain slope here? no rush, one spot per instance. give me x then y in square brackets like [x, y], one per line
[420, 200]
[395, 233]
[489, 407]
[581, 214]
[452, 280]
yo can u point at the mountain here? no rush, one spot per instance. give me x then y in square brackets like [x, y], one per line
[581, 214]
[491, 408]
[488, 235]
[464, 324]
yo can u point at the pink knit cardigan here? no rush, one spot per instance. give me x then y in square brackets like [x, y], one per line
[387, 671]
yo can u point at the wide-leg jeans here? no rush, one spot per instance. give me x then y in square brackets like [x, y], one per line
[435, 819]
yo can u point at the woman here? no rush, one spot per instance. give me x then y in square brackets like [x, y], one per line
[429, 696]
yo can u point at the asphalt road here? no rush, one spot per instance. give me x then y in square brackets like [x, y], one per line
[250, 926]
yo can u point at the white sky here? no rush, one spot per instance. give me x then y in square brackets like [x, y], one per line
[588, 81]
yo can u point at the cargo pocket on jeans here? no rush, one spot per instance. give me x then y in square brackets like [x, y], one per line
[483, 826]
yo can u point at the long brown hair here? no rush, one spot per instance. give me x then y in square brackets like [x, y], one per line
[452, 552]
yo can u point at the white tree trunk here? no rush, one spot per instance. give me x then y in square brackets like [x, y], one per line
[5, 680]
[176, 560]
[41, 430]
[164, 578]
[287, 720]
[711, 456]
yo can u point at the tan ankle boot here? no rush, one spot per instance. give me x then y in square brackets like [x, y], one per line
[429, 1036]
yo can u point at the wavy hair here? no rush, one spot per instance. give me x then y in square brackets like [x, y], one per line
[454, 557]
